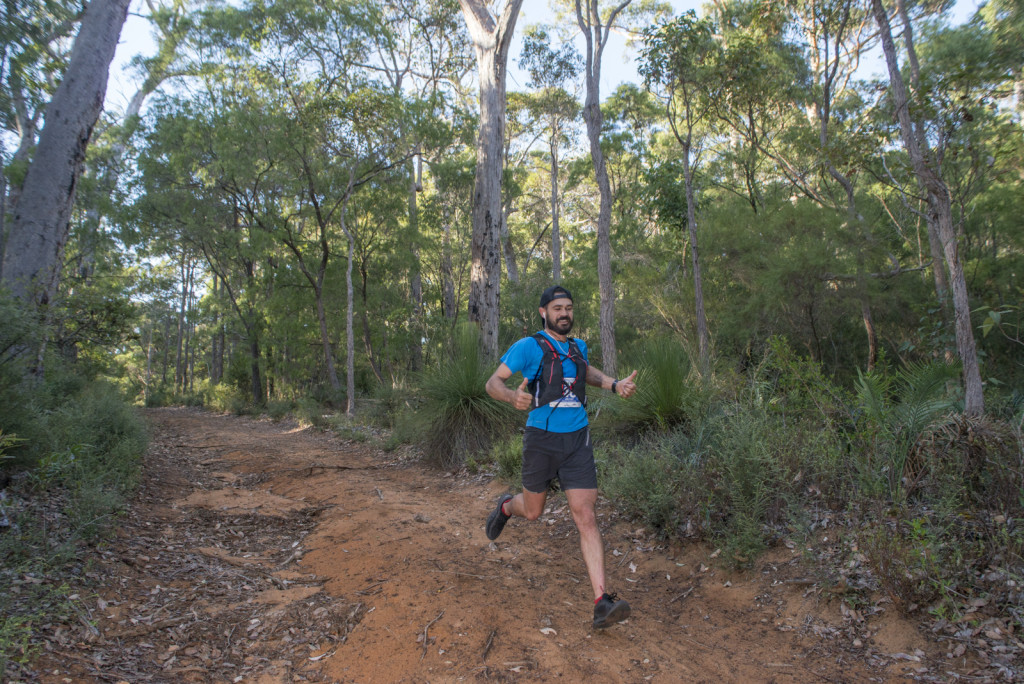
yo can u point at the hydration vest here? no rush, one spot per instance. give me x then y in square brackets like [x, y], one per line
[546, 387]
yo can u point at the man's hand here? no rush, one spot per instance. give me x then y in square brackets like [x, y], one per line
[626, 387]
[522, 399]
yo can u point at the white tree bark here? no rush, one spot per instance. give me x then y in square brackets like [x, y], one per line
[39, 228]
[491, 41]
[556, 238]
[939, 207]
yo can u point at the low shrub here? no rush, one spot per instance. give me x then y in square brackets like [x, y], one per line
[76, 462]
[279, 410]
[647, 482]
[386, 402]
[310, 413]
[507, 456]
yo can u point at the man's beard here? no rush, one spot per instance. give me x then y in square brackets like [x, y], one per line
[562, 326]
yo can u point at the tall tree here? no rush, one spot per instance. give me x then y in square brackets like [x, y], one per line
[35, 244]
[596, 23]
[925, 166]
[549, 70]
[491, 40]
[837, 33]
[172, 22]
[683, 59]
[420, 54]
[34, 45]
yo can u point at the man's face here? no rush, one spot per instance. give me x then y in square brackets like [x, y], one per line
[559, 315]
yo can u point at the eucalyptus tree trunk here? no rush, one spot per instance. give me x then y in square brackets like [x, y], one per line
[491, 41]
[596, 31]
[39, 229]
[185, 269]
[939, 207]
[27, 123]
[935, 246]
[415, 277]
[556, 238]
[217, 350]
[350, 340]
[703, 334]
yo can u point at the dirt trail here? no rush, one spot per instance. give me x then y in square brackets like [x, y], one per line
[259, 552]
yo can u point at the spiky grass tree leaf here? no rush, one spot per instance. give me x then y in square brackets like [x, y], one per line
[460, 417]
[665, 397]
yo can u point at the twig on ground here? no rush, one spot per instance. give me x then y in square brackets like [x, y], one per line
[466, 574]
[146, 629]
[426, 637]
[490, 642]
[681, 596]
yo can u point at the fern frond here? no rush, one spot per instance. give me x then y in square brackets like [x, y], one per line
[872, 396]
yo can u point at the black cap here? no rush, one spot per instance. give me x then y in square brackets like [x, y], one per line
[552, 293]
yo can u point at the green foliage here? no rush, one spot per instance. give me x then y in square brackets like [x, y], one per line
[896, 410]
[927, 559]
[278, 410]
[229, 399]
[24, 607]
[75, 462]
[461, 419]
[507, 455]
[7, 441]
[648, 483]
[386, 402]
[751, 485]
[311, 413]
[20, 330]
[668, 393]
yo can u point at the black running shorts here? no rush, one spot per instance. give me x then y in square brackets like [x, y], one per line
[569, 456]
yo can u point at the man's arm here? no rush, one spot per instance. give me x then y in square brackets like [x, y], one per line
[624, 388]
[497, 388]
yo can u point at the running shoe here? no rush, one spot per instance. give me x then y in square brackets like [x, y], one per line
[497, 519]
[609, 610]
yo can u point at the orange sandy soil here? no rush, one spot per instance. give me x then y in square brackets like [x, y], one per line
[261, 552]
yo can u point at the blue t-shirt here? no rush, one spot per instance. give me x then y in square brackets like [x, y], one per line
[562, 415]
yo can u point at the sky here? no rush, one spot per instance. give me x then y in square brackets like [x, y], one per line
[618, 65]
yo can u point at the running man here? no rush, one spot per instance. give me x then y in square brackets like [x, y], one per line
[557, 438]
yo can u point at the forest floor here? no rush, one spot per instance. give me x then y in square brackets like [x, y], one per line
[257, 551]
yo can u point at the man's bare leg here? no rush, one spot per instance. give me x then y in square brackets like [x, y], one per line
[582, 503]
[527, 505]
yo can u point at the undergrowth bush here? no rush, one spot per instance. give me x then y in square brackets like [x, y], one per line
[386, 402]
[459, 417]
[73, 458]
[895, 411]
[649, 482]
[278, 410]
[507, 456]
[311, 413]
